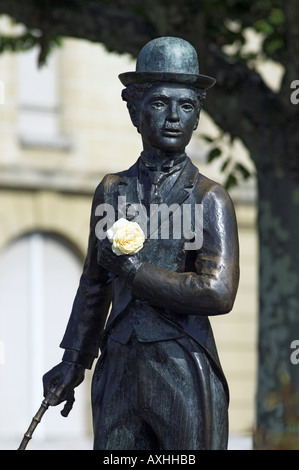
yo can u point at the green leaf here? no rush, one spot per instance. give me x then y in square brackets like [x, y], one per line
[263, 26]
[273, 45]
[18, 43]
[231, 181]
[243, 170]
[213, 154]
[207, 138]
[276, 16]
[225, 164]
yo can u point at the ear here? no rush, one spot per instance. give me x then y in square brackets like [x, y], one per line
[197, 120]
[196, 124]
[134, 115]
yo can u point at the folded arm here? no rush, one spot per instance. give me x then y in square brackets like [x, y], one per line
[211, 289]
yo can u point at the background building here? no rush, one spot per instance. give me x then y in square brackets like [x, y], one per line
[62, 128]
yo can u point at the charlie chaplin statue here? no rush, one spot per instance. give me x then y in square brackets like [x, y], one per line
[158, 383]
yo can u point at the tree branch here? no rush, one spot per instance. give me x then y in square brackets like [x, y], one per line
[291, 11]
[240, 103]
[291, 61]
[85, 20]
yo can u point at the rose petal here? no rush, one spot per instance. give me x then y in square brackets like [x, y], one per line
[126, 237]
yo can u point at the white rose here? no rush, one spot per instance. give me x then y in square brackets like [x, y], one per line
[126, 237]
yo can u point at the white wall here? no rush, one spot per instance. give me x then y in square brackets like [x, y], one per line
[38, 279]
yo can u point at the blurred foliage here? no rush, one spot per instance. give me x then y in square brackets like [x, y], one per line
[288, 400]
[225, 24]
[28, 40]
[264, 16]
[233, 170]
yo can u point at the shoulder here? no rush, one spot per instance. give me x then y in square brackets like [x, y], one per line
[210, 190]
[217, 205]
[112, 180]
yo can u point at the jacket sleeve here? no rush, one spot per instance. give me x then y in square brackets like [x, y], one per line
[212, 288]
[91, 303]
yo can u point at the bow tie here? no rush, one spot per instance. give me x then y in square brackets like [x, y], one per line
[158, 176]
[165, 167]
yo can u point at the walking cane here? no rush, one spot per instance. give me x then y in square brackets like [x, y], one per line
[41, 411]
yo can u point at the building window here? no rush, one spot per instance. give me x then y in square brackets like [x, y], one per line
[39, 103]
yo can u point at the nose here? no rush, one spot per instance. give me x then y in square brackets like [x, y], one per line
[173, 114]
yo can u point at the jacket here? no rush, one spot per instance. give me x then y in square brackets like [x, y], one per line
[175, 290]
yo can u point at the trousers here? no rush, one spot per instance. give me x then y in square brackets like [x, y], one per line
[162, 395]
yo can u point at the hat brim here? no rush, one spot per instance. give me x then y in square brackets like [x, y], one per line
[199, 81]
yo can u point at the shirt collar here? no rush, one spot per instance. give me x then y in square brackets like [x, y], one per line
[166, 166]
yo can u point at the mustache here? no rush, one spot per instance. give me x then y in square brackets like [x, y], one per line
[171, 127]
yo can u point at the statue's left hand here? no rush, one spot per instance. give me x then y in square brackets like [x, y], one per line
[59, 384]
[124, 265]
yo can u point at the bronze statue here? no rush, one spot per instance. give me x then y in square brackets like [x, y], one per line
[158, 383]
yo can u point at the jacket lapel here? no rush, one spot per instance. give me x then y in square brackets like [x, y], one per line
[128, 189]
[127, 183]
[183, 185]
[178, 194]
[127, 192]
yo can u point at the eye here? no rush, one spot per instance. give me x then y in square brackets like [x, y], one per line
[187, 107]
[157, 104]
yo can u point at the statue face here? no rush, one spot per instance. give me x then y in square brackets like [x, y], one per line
[167, 116]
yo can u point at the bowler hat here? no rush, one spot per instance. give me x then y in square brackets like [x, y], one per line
[168, 59]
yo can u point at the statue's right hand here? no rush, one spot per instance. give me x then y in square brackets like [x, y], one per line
[59, 384]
